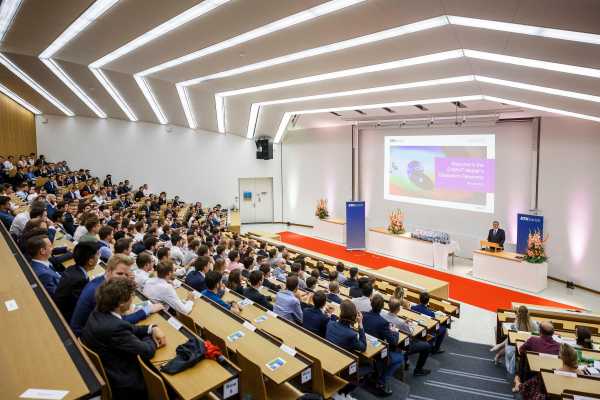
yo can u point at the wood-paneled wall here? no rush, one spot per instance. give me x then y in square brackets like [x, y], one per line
[17, 128]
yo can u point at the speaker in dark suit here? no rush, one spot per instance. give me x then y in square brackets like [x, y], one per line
[496, 235]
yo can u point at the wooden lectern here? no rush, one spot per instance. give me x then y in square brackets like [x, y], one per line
[491, 246]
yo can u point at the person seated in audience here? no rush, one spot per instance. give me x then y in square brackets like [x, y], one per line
[423, 309]
[214, 290]
[311, 284]
[252, 290]
[377, 326]
[400, 295]
[357, 291]
[106, 240]
[316, 318]
[123, 246]
[75, 278]
[340, 268]
[584, 338]
[145, 266]
[287, 302]
[39, 249]
[342, 334]
[69, 217]
[266, 270]
[248, 263]
[81, 229]
[36, 209]
[296, 269]
[334, 291]
[234, 261]
[363, 303]
[196, 277]
[6, 215]
[351, 281]
[177, 247]
[416, 346]
[118, 342]
[234, 281]
[165, 236]
[544, 343]
[92, 227]
[533, 388]
[161, 289]
[119, 266]
[523, 322]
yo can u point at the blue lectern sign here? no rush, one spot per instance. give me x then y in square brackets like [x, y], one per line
[527, 224]
[355, 225]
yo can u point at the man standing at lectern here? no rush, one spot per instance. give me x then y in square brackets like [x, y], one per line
[496, 235]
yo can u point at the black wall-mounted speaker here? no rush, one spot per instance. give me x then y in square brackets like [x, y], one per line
[264, 149]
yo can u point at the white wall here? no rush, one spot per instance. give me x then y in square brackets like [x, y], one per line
[570, 198]
[317, 163]
[197, 165]
[513, 185]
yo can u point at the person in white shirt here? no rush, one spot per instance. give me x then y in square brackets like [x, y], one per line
[363, 303]
[8, 165]
[32, 195]
[140, 228]
[22, 192]
[177, 244]
[37, 209]
[161, 289]
[145, 265]
[145, 190]
[80, 231]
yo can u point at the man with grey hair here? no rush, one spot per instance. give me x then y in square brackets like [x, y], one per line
[496, 234]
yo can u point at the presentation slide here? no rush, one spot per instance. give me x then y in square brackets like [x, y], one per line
[453, 171]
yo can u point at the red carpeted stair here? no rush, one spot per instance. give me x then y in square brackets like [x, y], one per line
[487, 296]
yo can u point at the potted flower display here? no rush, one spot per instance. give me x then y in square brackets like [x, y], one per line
[396, 225]
[321, 210]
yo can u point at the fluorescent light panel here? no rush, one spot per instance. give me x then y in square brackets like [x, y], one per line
[285, 120]
[34, 85]
[90, 15]
[526, 29]
[66, 79]
[220, 105]
[162, 29]
[18, 99]
[151, 98]
[542, 108]
[187, 106]
[302, 16]
[114, 93]
[8, 11]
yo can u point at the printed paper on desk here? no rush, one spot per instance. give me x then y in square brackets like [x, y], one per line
[276, 363]
[196, 294]
[230, 388]
[44, 394]
[11, 305]
[245, 302]
[237, 335]
[260, 319]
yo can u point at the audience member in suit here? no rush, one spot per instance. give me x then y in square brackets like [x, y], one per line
[351, 282]
[422, 347]
[119, 266]
[118, 342]
[316, 318]
[75, 278]
[376, 325]
[108, 181]
[196, 278]
[357, 291]
[51, 186]
[6, 215]
[423, 309]
[69, 218]
[253, 291]
[496, 235]
[234, 281]
[39, 248]
[334, 290]
[341, 268]
[266, 270]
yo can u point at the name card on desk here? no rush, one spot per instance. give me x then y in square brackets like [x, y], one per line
[196, 294]
[44, 394]
[565, 373]
[174, 322]
[290, 350]
[306, 376]
[546, 355]
[11, 305]
[249, 326]
[230, 388]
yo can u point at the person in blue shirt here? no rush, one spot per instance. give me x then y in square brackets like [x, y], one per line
[287, 304]
[5, 215]
[118, 266]
[196, 277]
[214, 286]
[316, 318]
[105, 234]
[375, 325]
[423, 309]
[39, 249]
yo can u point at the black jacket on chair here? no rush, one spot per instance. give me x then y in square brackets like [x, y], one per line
[118, 343]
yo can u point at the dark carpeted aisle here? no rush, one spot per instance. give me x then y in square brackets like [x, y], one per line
[464, 372]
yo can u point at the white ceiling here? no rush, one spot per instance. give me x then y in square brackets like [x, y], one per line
[38, 23]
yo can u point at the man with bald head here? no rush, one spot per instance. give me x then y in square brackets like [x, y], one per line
[544, 343]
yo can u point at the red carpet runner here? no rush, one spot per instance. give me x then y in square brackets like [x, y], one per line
[487, 296]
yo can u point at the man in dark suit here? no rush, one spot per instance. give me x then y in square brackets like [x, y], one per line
[315, 319]
[423, 309]
[74, 278]
[357, 290]
[107, 181]
[69, 218]
[334, 290]
[39, 248]
[252, 292]
[118, 342]
[496, 235]
[51, 186]
[196, 277]
[376, 325]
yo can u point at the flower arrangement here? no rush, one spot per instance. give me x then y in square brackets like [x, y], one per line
[535, 248]
[396, 225]
[321, 210]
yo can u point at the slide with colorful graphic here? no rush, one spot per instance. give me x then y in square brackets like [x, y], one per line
[453, 171]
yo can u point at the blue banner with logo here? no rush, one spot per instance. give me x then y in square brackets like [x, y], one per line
[355, 225]
[527, 224]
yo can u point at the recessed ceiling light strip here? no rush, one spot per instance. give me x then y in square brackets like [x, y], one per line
[187, 106]
[114, 93]
[151, 98]
[542, 108]
[34, 85]
[18, 99]
[8, 11]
